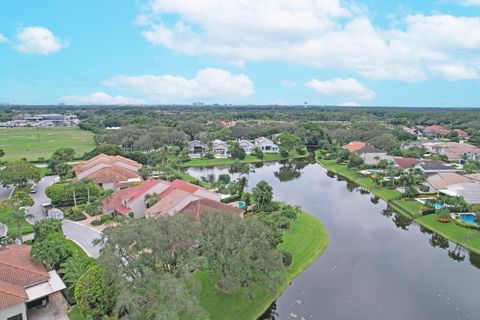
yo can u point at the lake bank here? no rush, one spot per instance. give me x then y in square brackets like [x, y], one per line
[467, 238]
[306, 239]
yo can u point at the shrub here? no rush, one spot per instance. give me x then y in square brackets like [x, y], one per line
[444, 215]
[131, 214]
[258, 153]
[93, 208]
[287, 258]
[46, 227]
[284, 153]
[301, 151]
[75, 214]
[209, 156]
[51, 251]
[101, 220]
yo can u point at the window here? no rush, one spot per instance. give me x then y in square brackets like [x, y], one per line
[16, 317]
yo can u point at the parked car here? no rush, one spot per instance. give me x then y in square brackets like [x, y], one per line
[33, 189]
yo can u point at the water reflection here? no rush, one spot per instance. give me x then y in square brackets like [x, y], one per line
[288, 171]
[373, 269]
[402, 222]
[437, 241]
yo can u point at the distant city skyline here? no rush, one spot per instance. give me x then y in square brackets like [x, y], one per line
[261, 52]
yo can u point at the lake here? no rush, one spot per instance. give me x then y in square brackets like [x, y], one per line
[379, 265]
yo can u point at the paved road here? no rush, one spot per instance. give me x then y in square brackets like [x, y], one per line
[83, 236]
[40, 197]
[77, 232]
[4, 192]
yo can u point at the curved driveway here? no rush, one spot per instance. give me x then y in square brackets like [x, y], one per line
[83, 236]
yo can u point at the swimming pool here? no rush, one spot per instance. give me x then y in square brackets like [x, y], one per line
[436, 205]
[240, 205]
[468, 218]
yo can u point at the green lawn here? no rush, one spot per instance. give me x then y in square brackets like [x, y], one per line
[12, 226]
[32, 143]
[364, 181]
[468, 238]
[249, 159]
[306, 240]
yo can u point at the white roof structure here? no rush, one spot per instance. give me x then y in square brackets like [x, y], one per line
[469, 191]
[54, 284]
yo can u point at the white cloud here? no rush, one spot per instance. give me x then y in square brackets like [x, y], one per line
[38, 40]
[2, 38]
[100, 98]
[456, 71]
[470, 2]
[345, 88]
[289, 83]
[207, 84]
[324, 34]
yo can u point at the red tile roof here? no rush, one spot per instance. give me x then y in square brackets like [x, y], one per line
[115, 202]
[18, 271]
[112, 175]
[355, 146]
[406, 163]
[202, 206]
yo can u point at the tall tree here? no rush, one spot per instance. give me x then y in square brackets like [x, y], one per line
[19, 173]
[230, 251]
[263, 195]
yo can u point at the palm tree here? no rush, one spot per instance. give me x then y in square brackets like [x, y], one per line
[18, 215]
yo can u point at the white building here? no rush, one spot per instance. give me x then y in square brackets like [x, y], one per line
[266, 145]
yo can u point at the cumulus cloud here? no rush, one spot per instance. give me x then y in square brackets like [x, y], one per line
[100, 98]
[207, 84]
[323, 34]
[38, 40]
[2, 38]
[345, 88]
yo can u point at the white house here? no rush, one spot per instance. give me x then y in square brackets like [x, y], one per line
[247, 146]
[266, 145]
[220, 148]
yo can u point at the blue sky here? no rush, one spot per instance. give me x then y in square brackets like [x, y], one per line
[330, 52]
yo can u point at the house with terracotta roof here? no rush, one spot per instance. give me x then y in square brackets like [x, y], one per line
[133, 199]
[462, 134]
[109, 172]
[455, 151]
[405, 163]
[354, 146]
[177, 196]
[435, 131]
[228, 124]
[24, 285]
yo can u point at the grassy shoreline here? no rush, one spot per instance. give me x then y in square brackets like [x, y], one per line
[268, 157]
[306, 239]
[468, 238]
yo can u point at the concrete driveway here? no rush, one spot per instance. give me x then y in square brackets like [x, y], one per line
[40, 197]
[83, 236]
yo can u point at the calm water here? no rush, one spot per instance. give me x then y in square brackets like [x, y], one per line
[378, 265]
